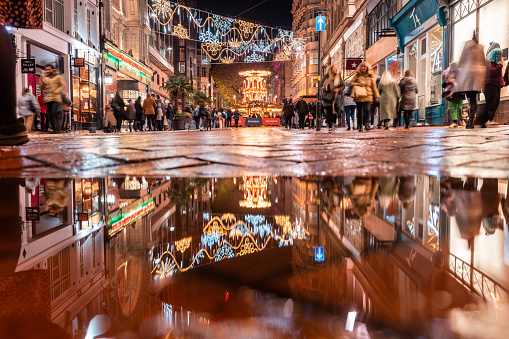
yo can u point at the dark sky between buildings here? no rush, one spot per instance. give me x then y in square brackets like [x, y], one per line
[271, 12]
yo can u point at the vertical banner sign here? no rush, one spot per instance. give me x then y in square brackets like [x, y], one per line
[320, 23]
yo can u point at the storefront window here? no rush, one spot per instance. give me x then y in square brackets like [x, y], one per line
[435, 64]
[87, 198]
[85, 90]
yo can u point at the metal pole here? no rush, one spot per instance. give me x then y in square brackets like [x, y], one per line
[319, 98]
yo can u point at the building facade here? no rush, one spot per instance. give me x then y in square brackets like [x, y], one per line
[305, 67]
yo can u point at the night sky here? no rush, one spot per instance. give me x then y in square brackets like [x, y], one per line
[272, 12]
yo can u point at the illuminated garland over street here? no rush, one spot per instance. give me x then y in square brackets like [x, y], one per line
[226, 39]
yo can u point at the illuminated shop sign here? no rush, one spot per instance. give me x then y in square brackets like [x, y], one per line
[122, 220]
[125, 60]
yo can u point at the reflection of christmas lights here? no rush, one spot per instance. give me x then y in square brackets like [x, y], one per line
[226, 237]
[183, 244]
[255, 192]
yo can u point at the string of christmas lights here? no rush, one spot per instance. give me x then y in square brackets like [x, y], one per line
[226, 39]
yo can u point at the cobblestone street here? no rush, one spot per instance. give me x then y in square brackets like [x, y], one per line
[481, 152]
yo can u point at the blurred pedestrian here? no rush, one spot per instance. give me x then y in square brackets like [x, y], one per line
[409, 90]
[288, 112]
[140, 115]
[170, 113]
[67, 110]
[302, 110]
[331, 86]
[149, 107]
[53, 85]
[312, 113]
[214, 118]
[110, 122]
[472, 74]
[221, 117]
[44, 120]
[493, 86]
[118, 106]
[159, 113]
[374, 107]
[349, 105]
[131, 115]
[389, 97]
[451, 94]
[209, 118]
[236, 117]
[364, 92]
[196, 116]
[27, 108]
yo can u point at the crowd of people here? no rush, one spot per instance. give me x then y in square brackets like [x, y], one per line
[364, 93]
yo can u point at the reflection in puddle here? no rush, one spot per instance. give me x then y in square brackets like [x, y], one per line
[254, 256]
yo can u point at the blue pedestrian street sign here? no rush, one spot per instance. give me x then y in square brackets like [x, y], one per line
[320, 23]
[319, 253]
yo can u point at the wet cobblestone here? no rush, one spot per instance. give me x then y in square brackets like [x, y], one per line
[261, 151]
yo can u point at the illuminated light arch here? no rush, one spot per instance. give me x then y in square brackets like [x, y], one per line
[235, 38]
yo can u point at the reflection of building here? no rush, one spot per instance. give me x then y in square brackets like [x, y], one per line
[68, 241]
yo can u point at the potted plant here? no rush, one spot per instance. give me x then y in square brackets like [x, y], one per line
[178, 87]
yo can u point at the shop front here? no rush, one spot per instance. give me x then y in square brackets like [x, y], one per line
[419, 27]
[125, 75]
[85, 74]
[490, 19]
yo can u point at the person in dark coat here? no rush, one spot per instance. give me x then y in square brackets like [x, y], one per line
[288, 112]
[312, 111]
[170, 112]
[494, 84]
[472, 74]
[408, 89]
[140, 115]
[118, 106]
[302, 110]
[130, 114]
[236, 117]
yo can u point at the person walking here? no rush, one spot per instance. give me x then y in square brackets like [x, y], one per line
[450, 93]
[44, 120]
[170, 113]
[230, 118]
[364, 92]
[53, 84]
[302, 110]
[349, 105]
[472, 74]
[312, 113]
[159, 113]
[408, 89]
[389, 97]
[149, 107]
[27, 108]
[188, 117]
[374, 107]
[493, 86]
[110, 122]
[288, 112]
[331, 86]
[236, 117]
[209, 117]
[66, 108]
[196, 116]
[140, 115]
[131, 115]
[118, 106]
[214, 118]
[221, 117]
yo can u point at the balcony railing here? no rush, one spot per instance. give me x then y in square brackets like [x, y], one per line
[475, 280]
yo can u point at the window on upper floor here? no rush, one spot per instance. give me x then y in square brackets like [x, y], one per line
[54, 13]
[378, 20]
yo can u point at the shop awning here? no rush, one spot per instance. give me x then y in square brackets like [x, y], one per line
[416, 18]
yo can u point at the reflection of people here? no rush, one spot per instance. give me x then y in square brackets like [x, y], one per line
[462, 200]
[490, 202]
[387, 190]
[362, 195]
[406, 190]
[55, 197]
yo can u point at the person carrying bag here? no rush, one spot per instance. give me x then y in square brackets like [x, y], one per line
[333, 84]
[364, 91]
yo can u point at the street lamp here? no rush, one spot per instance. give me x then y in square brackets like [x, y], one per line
[108, 78]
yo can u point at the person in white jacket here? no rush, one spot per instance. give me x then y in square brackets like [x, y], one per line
[27, 107]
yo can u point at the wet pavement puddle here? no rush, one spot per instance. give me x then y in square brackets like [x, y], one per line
[262, 256]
